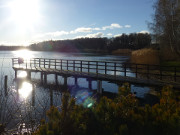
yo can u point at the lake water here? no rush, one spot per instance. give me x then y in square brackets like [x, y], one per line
[28, 101]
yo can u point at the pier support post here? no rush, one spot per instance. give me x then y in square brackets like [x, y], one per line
[5, 85]
[15, 74]
[56, 79]
[42, 77]
[33, 95]
[90, 84]
[51, 97]
[65, 82]
[29, 74]
[99, 86]
[75, 79]
[45, 78]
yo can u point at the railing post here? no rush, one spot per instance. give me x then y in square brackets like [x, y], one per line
[34, 63]
[73, 65]
[105, 68]
[31, 63]
[88, 67]
[39, 62]
[125, 69]
[115, 69]
[175, 74]
[96, 67]
[61, 64]
[49, 63]
[136, 70]
[26, 64]
[81, 65]
[12, 62]
[67, 64]
[55, 63]
[44, 63]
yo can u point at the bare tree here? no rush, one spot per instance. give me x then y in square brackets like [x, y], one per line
[166, 24]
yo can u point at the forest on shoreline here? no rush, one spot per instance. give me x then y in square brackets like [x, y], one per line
[131, 41]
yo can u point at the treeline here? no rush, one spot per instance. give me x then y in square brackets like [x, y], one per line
[131, 41]
[11, 48]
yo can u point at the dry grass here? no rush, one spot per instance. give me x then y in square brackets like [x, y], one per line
[122, 52]
[145, 56]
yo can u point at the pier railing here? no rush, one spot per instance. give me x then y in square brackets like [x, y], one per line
[164, 73]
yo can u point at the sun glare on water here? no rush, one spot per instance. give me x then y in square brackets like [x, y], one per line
[25, 90]
[25, 54]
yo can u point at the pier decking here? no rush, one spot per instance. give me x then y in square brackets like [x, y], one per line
[117, 72]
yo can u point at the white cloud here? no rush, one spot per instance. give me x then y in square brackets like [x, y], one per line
[81, 29]
[95, 35]
[109, 34]
[118, 35]
[144, 31]
[96, 29]
[127, 26]
[112, 26]
[89, 29]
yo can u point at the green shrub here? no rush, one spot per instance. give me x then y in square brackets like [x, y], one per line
[120, 116]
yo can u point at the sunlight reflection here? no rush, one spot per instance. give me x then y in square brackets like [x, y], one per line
[22, 74]
[25, 54]
[25, 90]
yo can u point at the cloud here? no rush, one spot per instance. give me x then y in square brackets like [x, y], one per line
[81, 29]
[109, 34]
[144, 31]
[96, 29]
[58, 34]
[89, 29]
[127, 26]
[112, 26]
[95, 35]
[118, 35]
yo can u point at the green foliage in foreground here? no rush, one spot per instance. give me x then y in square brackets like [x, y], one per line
[121, 116]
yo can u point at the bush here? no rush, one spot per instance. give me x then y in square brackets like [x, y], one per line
[120, 116]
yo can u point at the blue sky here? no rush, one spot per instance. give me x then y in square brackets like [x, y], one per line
[28, 21]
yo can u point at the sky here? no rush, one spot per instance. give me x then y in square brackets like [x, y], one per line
[23, 22]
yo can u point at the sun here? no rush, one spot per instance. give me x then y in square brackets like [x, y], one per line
[25, 13]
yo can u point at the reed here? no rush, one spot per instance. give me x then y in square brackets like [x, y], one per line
[145, 56]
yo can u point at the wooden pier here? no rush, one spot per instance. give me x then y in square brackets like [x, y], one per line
[118, 72]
